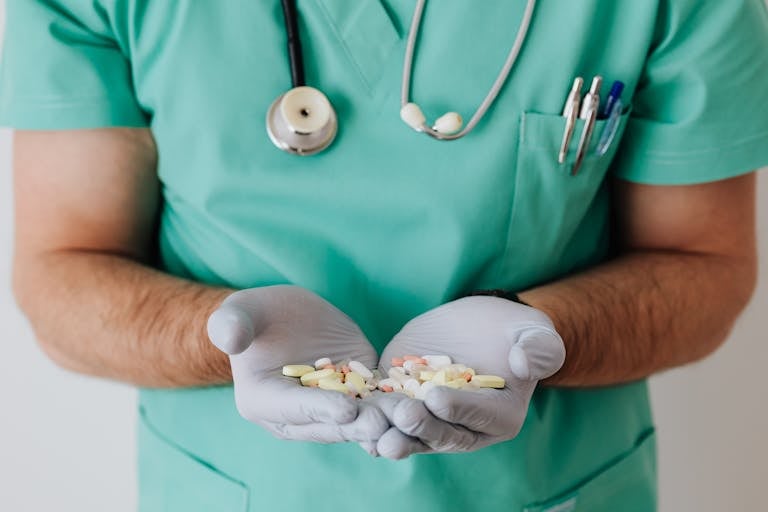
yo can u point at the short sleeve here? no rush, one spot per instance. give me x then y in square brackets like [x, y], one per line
[61, 68]
[701, 106]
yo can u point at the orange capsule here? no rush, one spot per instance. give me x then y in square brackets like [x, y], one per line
[387, 389]
[411, 358]
[397, 361]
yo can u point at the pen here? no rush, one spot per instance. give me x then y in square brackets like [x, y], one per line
[616, 89]
[588, 112]
[610, 129]
[570, 112]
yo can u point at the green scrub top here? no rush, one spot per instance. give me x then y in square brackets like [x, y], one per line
[389, 223]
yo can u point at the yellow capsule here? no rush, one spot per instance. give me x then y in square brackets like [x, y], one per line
[487, 381]
[426, 375]
[356, 380]
[332, 384]
[296, 370]
[313, 377]
[440, 378]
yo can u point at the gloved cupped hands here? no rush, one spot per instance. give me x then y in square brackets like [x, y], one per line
[263, 329]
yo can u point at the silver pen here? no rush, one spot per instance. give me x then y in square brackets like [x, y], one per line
[570, 113]
[588, 112]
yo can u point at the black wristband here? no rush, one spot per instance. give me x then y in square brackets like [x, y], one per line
[502, 294]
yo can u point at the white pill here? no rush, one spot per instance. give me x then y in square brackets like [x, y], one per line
[398, 374]
[412, 386]
[394, 384]
[323, 361]
[437, 362]
[357, 366]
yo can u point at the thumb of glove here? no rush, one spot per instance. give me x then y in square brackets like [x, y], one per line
[539, 353]
[233, 327]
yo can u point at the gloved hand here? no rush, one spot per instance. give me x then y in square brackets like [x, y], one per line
[263, 329]
[492, 335]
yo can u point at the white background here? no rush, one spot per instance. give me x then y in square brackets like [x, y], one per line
[66, 441]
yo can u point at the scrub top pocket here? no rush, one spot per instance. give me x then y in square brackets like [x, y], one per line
[548, 200]
[172, 479]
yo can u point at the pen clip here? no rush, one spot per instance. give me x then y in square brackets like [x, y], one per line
[571, 113]
[589, 108]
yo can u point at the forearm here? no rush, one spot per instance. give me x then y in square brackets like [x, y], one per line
[642, 313]
[108, 316]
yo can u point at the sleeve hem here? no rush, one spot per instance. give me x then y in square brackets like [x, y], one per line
[697, 167]
[70, 115]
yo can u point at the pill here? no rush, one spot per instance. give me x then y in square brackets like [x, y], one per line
[315, 376]
[386, 389]
[487, 381]
[397, 361]
[345, 369]
[323, 361]
[457, 383]
[329, 367]
[397, 374]
[413, 365]
[439, 378]
[357, 366]
[332, 384]
[437, 362]
[412, 386]
[392, 383]
[296, 370]
[467, 376]
[356, 380]
[411, 357]
[425, 375]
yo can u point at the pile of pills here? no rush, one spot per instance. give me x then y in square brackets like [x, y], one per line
[411, 375]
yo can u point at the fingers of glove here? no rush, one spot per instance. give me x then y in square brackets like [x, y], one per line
[413, 418]
[231, 329]
[282, 400]
[395, 445]
[386, 402]
[488, 411]
[369, 447]
[368, 427]
[538, 354]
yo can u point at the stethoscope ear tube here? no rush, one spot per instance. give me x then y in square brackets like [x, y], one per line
[295, 54]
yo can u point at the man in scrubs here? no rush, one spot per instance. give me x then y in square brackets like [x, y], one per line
[147, 192]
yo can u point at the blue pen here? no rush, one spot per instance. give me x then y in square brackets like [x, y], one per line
[610, 129]
[616, 89]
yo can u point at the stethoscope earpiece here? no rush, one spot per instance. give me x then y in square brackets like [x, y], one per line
[302, 121]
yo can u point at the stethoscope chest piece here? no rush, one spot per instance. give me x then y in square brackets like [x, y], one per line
[302, 121]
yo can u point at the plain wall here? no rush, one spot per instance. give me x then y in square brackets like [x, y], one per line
[66, 441]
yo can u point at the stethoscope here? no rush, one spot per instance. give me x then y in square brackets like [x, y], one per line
[302, 121]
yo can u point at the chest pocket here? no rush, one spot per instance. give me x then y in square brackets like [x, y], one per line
[550, 204]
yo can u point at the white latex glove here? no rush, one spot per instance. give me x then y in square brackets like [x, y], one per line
[492, 335]
[263, 329]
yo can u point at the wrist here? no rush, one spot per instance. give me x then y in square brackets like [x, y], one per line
[502, 294]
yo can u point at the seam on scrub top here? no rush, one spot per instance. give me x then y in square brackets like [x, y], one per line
[187, 453]
[344, 45]
[717, 149]
[77, 101]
